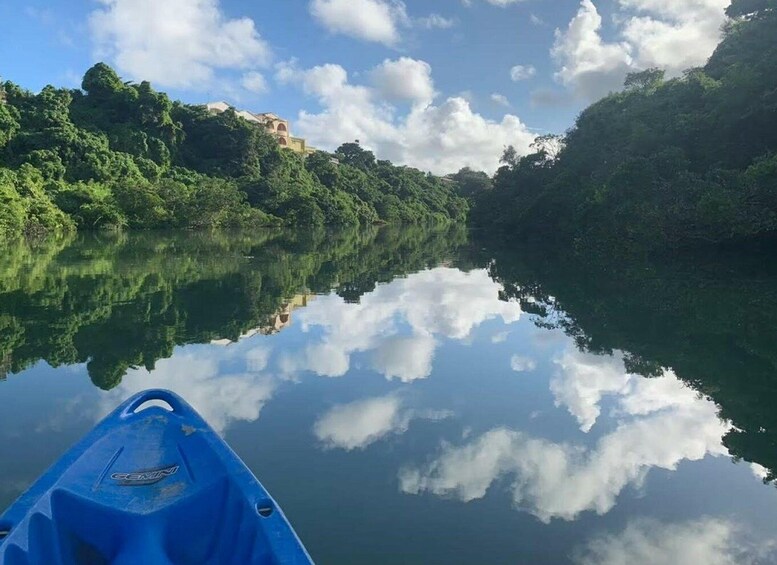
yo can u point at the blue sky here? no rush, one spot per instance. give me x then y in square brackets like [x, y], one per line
[436, 84]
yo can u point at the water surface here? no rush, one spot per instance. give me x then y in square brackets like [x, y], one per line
[411, 397]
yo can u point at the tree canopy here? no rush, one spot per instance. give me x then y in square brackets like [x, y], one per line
[117, 154]
[750, 8]
[685, 161]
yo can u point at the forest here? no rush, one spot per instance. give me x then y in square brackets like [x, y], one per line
[664, 163]
[116, 155]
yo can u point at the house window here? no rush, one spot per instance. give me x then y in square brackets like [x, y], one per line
[282, 141]
[282, 127]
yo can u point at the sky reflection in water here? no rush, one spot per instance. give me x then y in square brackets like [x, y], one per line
[433, 421]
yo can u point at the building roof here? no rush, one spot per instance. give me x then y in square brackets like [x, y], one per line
[219, 106]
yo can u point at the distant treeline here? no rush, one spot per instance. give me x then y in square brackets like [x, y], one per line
[121, 155]
[664, 162]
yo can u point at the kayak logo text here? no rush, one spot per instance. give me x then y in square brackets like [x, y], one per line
[142, 478]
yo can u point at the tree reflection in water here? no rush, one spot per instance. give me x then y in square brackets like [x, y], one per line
[121, 301]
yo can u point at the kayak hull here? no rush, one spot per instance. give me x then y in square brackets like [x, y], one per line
[150, 484]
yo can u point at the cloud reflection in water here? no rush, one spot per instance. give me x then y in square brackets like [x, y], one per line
[659, 423]
[359, 424]
[708, 541]
[220, 398]
[442, 302]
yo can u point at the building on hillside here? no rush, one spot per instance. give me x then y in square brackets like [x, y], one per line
[276, 323]
[218, 107]
[274, 124]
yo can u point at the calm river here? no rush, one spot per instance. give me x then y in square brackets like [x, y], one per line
[409, 396]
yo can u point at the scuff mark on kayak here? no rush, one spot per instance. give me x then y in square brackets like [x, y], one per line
[171, 491]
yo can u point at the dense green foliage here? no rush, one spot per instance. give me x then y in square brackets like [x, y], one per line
[662, 163]
[471, 184]
[117, 154]
[116, 301]
[708, 317]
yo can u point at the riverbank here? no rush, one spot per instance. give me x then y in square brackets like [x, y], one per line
[123, 156]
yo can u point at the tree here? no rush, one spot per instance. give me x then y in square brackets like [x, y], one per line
[510, 156]
[320, 164]
[352, 154]
[470, 183]
[664, 163]
[548, 146]
[644, 80]
[12, 209]
[750, 8]
[9, 121]
[122, 154]
[101, 81]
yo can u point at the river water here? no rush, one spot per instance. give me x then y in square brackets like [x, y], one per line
[413, 396]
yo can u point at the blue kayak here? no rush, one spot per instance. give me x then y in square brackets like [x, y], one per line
[148, 485]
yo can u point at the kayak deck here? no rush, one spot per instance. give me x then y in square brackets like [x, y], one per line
[148, 485]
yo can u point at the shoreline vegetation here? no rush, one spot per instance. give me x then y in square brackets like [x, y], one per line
[117, 155]
[662, 164]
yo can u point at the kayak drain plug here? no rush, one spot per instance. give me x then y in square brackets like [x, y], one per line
[264, 509]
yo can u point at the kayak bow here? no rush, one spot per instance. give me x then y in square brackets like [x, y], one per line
[149, 485]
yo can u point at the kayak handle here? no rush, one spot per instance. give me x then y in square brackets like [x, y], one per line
[170, 398]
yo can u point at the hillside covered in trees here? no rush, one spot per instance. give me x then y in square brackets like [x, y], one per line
[116, 155]
[664, 163]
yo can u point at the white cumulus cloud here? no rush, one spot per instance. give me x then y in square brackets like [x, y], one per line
[500, 99]
[589, 65]
[255, 82]
[522, 72]
[440, 137]
[175, 43]
[521, 364]
[370, 20]
[553, 480]
[404, 79]
[673, 35]
[649, 33]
